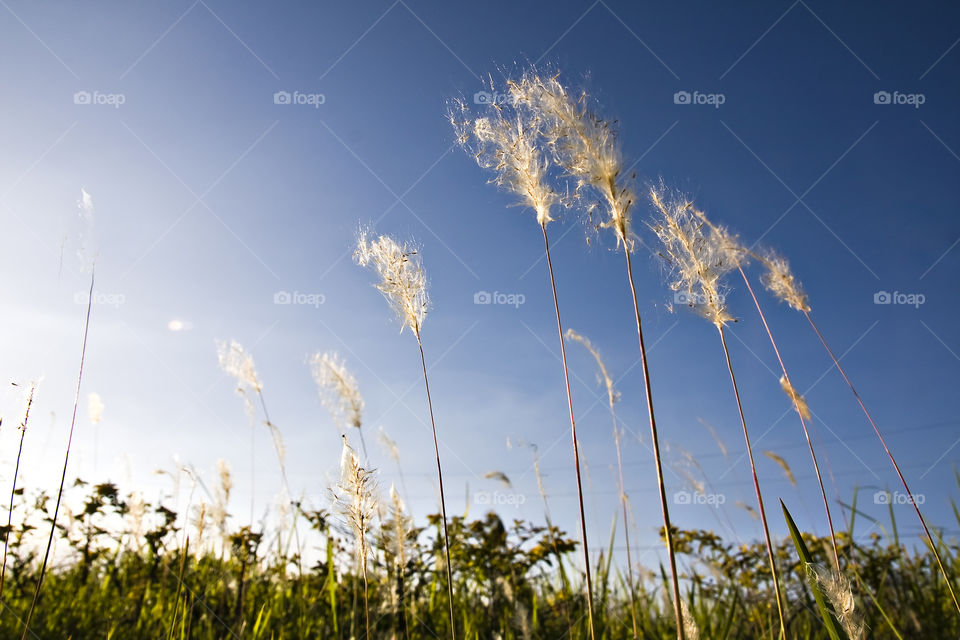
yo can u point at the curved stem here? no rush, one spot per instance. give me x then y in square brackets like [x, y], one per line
[573, 432]
[756, 483]
[803, 423]
[443, 504]
[903, 481]
[655, 441]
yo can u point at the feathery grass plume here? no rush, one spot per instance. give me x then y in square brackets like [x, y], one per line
[394, 451]
[716, 437]
[94, 407]
[356, 499]
[781, 282]
[403, 282]
[509, 143]
[339, 392]
[586, 149]
[689, 624]
[787, 471]
[799, 403]
[698, 256]
[219, 512]
[836, 588]
[396, 537]
[499, 476]
[701, 254]
[786, 285]
[28, 404]
[753, 512]
[612, 396]
[237, 363]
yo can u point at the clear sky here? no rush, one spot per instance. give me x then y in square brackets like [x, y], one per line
[211, 197]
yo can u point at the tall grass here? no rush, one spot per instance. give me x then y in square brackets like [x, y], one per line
[403, 283]
[782, 283]
[700, 256]
[612, 396]
[510, 145]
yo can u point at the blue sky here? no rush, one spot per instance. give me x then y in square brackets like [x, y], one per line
[210, 198]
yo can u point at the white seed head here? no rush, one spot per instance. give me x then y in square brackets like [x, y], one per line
[697, 253]
[403, 281]
[787, 471]
[838, 591]
[780, 281]
[339, 390]
[799, 403]
[612, 394]
[584, 145]
[94, 407]
[237, 363]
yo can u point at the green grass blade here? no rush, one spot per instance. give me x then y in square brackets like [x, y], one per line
[806, 559]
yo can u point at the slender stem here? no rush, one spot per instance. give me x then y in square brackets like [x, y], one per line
[13, 488]
[655, 441]
[573, 431]
[756, 483]
[66, 459]
[803, 423]
[443, 504]
[903, 481]
[626, 524]
[13, 492]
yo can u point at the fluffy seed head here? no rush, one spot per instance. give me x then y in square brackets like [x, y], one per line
[584, 145]
[612, 394]
[799, 403]
[698, 254]
[237, 363]
[403, 281]
[787, 471]
[837, 589]
[338, 388]
[780, 281]
[389, 444]
[508, 141]
[94, 408]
